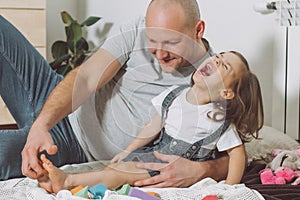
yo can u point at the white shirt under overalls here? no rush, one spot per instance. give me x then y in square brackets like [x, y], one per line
[188, 122]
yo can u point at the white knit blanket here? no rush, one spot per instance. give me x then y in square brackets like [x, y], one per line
[25, 188]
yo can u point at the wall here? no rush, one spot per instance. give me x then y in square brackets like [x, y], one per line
[286, 81]
[55, 26]
[230, 24]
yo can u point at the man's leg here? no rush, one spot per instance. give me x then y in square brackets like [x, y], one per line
[25, 76]
[11, 145]
[26, 81]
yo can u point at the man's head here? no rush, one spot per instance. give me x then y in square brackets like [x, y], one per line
[174, 32]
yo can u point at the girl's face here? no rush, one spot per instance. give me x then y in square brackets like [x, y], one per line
[219, 72]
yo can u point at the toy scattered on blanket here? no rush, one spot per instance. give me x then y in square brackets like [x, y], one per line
[285, 158]
[134, 192]
[282, 175]
[284, 168]
[99, 191]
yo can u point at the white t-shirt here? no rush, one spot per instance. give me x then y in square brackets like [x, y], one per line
[189, 122]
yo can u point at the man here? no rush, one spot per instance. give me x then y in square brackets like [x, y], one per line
[110, 95]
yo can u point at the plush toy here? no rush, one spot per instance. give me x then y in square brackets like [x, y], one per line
[285, 158]
[281, 176]
[283, 169]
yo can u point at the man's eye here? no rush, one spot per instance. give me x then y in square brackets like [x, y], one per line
[151, 41]
[225, 66]
[171, 43]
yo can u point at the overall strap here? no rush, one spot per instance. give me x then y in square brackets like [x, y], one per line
[209, 139]
[166, 104]
[197, 146]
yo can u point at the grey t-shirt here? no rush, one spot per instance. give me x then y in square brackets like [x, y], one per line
[110, 119]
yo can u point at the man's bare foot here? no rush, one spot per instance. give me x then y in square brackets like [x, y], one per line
[56, 179]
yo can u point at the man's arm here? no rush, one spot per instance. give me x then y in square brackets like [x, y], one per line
[68, 95]
[173, 174]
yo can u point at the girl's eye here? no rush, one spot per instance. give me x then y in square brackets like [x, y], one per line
[225, 66]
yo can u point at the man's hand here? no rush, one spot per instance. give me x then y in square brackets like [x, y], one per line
[38, 140]
[177, 172]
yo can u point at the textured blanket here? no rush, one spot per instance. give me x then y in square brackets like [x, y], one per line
[25, 188]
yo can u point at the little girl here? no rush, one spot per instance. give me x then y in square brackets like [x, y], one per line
[220, 111]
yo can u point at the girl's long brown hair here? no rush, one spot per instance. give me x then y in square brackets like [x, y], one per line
[245, 110]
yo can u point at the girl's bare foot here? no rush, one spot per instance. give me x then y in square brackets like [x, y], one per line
[56, 179]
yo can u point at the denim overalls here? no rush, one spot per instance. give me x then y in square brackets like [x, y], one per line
[168, 145]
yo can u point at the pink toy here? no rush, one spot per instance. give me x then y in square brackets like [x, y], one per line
[281, 176]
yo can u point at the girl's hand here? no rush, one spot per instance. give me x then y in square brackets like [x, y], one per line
[119, 157]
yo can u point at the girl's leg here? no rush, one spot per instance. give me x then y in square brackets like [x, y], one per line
[26, 81]
[113, 176]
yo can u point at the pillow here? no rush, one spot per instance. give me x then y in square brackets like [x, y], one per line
[271, 138]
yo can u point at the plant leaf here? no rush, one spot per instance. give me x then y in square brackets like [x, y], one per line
[66, 70]
[56, 64]
[74, 34]
[77, 31]
[78, 60]
[66, 18]
[82, 45]
[90, 21]
[59, 48]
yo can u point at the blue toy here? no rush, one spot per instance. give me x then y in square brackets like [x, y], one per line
[98, 191]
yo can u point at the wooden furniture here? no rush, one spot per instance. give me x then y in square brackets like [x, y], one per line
[29, 16]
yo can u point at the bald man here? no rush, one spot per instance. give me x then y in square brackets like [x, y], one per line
[99, 107]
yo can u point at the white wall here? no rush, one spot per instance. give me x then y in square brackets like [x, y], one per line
[234, 25]
[230, 24]
[55, 26]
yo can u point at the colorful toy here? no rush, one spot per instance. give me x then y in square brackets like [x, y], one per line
[124, 189]
[283, 176]
[82, 193]
[76, 189]
[210, 197]
[133, 192]
[154, 194]
[98, 191]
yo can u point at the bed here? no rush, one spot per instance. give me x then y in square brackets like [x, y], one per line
[259, 154]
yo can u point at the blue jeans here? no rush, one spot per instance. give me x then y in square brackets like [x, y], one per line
[26, 80]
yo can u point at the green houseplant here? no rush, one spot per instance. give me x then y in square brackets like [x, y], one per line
[71, 53]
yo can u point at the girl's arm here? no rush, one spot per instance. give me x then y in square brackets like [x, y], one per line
[237, 164]
[145, 136]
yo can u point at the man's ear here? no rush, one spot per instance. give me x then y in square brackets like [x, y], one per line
[200, 27]
[227, 94]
